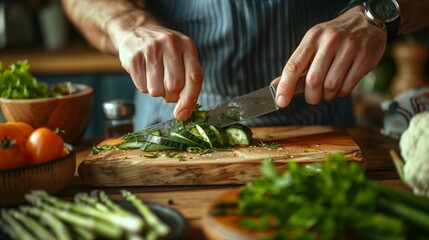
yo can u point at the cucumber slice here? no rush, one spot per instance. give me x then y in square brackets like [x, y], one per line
[165, 142]
[152, 147]
[207, 134]
[239, 134]
[130, 145]
[179, 138]
[221, 137]
[194, 131]
[156, 132]
[189, 139]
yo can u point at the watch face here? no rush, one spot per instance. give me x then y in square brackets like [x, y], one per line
[385, 10]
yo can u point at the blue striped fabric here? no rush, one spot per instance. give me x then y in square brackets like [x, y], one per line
[243, 45]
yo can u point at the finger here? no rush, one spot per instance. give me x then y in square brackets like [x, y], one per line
[316, 75]
[293, 69]
[363, 62]
[135, 66]
[154, 73]
[337, 73]
[352, 78]
[191, 91]
[174, 76]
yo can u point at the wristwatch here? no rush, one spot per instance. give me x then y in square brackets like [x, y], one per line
[384, 14]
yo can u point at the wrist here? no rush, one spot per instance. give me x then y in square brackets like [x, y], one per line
[387, 19]
[124, 23]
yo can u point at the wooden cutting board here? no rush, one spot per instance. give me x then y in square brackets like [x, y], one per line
[302, 144]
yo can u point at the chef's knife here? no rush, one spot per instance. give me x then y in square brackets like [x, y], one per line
[251, 105]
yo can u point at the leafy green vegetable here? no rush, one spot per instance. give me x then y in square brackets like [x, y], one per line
[16, 82]
[328, 201]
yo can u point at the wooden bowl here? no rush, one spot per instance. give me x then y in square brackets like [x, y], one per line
[51, 176]
[69, 113]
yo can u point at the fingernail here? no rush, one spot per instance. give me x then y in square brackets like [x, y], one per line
[183, 115]
[282, 101]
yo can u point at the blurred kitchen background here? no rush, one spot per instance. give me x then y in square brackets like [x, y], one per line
[37, 30]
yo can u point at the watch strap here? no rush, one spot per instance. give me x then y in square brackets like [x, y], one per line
[392, 29]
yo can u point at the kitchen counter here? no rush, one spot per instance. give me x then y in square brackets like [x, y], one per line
[192, 201]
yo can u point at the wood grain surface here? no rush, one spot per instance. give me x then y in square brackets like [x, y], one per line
[227, 226]
[302, 144]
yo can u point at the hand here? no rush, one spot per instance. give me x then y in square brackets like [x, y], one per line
[337, 54]
[163, 63]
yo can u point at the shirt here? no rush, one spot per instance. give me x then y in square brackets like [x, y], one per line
[243, 45]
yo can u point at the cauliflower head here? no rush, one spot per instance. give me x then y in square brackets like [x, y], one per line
[414, 146]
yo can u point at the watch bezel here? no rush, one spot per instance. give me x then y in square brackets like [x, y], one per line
[378, 21]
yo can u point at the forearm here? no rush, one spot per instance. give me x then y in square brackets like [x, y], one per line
[93, 17]
[413, 15]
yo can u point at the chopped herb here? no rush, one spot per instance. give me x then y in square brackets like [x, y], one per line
[273, 145]
[171, 154]
[181, 158]
[97, 149]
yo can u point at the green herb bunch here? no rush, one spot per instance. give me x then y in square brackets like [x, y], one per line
[329, 200]
[16, 82]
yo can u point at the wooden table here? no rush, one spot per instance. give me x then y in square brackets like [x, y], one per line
[191, 201]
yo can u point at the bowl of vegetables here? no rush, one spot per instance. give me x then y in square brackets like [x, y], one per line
[65, 106]
[32, 159]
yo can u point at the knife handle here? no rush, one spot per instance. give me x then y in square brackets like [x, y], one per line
[300, 85]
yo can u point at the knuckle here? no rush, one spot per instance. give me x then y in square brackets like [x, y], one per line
[330, 85]
[156, 92]
[344, 91]
[196, 77]
[313, 81]
[171, 98]
[292, 66]
[175, 84]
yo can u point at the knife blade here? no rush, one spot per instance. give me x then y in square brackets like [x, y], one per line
[250, 105]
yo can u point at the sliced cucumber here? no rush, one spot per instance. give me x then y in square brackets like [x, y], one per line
[179, 138]
[200, 135]
[239, 134]
[156, 132]
[194, 131]
[207, 134]
[130, 145]
[151, 147]
[221, 137]
[165, 142]
[189, 139]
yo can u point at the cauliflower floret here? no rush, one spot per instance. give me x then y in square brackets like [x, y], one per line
[414, 145]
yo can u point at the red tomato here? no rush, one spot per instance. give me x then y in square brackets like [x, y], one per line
[11, 155]
[12, 133]
[44, 145]
[25, 128]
